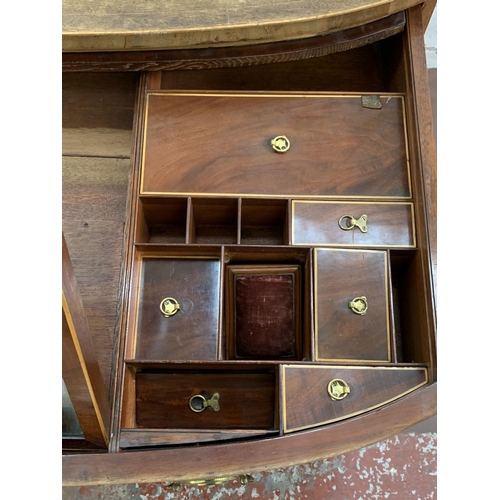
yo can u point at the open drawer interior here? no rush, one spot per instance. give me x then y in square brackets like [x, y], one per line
[253, 266]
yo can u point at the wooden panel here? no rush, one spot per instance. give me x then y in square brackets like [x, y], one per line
[420, 108]
[220, 144]
[97, 274]
[192, 332]
[317, 223]
[341, 276]
[103, 100]
[247, 400]
[80, 368]
[369, 388]
[99, 142]
[94, 193]
[358, 70]
[423, 151]
[94, 189]
[128, 25]
[97, 114]
[131, 438]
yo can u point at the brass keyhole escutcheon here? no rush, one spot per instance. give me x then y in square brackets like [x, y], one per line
[200, 402]
[338, 389]
[348, 222]
[169, 306]
[281, 144]
[359, 305]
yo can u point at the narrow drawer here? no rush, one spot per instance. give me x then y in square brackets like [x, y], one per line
[318, 395]
[177, 315]
[330, 223]
[352, 305]
[234, 144]
[245, 400]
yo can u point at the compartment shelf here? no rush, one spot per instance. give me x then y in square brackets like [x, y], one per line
[264, 222]
[213, 220]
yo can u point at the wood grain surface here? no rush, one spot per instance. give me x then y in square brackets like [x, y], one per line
[102, 100]
[103, 25]
[97, 114]
[421, 106]
[317, 223]
[93, 217]
[341, 276]
[80, 368]
[134, 438]
[369, 388]
[220, 144]
[247, 400]
[192, 332]
[235, 57]
[98, 142]
[422, 148]
[361, 69]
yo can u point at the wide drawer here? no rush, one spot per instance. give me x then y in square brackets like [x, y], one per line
[353, 224]
[222, 144]
[317, 395]
[177, 315]
[352, 305]
[245, 400]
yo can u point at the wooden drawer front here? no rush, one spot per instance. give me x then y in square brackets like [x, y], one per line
[221, 144]
[307, 403]
[246, 400]
[388, 224]
[342, 276]
[191, 333]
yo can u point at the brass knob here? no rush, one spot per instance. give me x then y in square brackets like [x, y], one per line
[348, 222]
[169, 306]
[280, 144]
[359, 305]
[338, 389]
[199, 402]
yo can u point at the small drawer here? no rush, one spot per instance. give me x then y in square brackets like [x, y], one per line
[352, 305]
[318, 395]
[177, 315]
[330, 223]
[234, 400]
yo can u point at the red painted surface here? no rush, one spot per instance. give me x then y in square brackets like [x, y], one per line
[403, 467]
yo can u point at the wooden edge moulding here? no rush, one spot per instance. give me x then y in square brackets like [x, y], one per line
[277, 277]
[214, 26]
